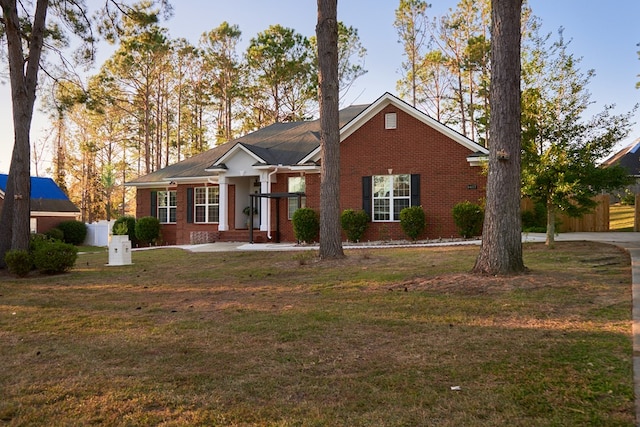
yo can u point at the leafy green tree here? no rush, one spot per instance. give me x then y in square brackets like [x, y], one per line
[133, 74]
[351, 54]
[281, 62]
[225, 71]
[27, 29]
[561, 149]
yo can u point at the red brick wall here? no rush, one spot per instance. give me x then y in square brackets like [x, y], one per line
[46, 223]
[412, 148]
[179, 233]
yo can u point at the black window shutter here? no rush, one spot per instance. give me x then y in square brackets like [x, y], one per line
[415, 189]
[366, 195]
[154, 204]
[189, 205]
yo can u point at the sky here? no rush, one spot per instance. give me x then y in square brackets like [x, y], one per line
[604, 34]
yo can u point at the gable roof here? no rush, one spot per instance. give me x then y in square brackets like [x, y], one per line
[291, 144]
[46, 196]
[628, 158]
[276, 144]
[386, 99]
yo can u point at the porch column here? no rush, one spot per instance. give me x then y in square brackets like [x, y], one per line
[223, 217]
[264, 202]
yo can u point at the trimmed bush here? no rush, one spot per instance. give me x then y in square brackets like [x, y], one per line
[74, 231]
[53, 257]
[306, 224]
[36, 240]
[413, 221]
[55, 234]
[468, 218]
[18, 262]
[130, 223]
[354, 223]
[147, 229]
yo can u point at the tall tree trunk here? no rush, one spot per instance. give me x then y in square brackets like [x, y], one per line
[550, 241]
[327, 34]
[23, 75]
[501, 249]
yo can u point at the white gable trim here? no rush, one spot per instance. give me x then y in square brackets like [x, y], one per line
[388, 99]
[232, 152]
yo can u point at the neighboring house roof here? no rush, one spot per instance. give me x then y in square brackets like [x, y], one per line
[628, 158]
[290, 144]
[46, 196]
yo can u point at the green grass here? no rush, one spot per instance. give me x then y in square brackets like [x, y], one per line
[621, 217]
[281, 339]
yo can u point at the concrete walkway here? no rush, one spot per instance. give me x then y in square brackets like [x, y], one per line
[627, 240]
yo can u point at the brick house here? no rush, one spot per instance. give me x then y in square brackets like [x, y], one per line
[392, 156]
[48, 203]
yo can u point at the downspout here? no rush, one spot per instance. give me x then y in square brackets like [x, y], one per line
[269, 203]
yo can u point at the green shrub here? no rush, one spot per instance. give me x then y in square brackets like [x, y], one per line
[306, 224]
[354, 223]
[55, 234]
[413, 221]
[36, 240]
[54, 257]
[147, 229]
[130, 223]
[74, 231]
[18, 262]
[468, 218]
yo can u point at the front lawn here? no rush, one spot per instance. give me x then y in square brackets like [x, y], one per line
[392, 337]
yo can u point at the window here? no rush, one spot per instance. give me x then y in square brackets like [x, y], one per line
[296, 184]
[167, 206]
[390, 121]
[391, 194]
[206, 204]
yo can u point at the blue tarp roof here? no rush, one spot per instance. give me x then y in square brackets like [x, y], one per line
[41, 188]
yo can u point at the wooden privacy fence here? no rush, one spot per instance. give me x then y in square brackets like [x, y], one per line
[597, 221]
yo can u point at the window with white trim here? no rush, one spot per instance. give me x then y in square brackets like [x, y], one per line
[391, 194]
[296, 184]
[206, 204]
[167, 203]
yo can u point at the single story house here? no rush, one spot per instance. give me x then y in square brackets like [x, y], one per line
[49, 204]
[391, 156]
[629, 158]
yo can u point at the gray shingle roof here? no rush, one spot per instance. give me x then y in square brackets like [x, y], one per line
[277, 144]
[628, 158]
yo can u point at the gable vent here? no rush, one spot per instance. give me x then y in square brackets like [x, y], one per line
[390, 121]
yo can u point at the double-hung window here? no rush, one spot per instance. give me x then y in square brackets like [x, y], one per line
[296, 184]
[167, 206]
[206, 204]
[391, 194]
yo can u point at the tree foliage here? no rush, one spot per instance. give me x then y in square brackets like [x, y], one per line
[30, 30]
[158, 100]
[562, 148]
